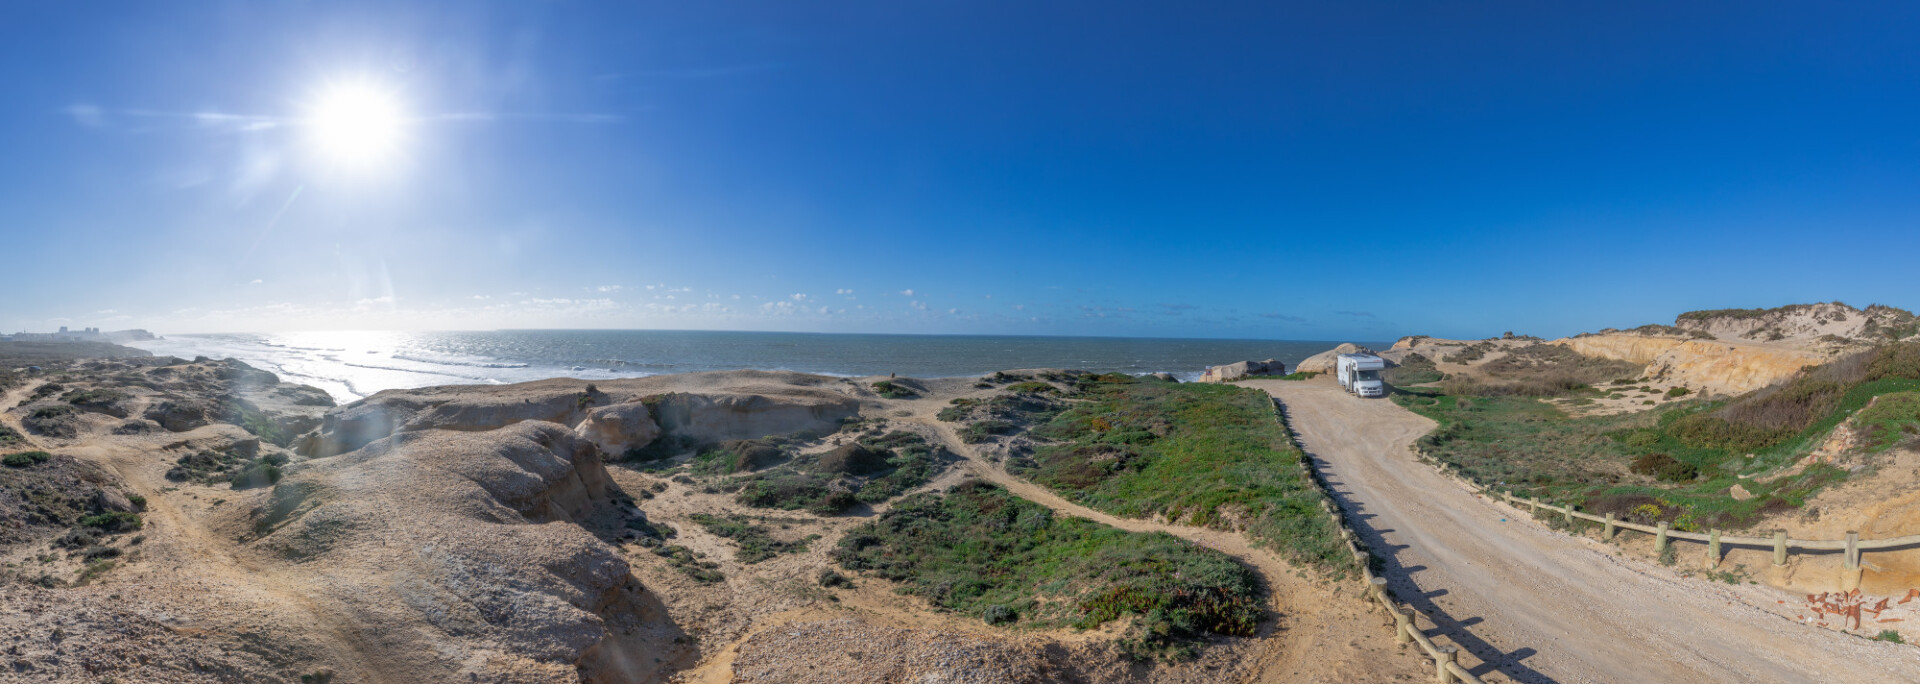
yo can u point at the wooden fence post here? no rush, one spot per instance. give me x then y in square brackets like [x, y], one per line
[1853, 550]
[1567, 510]
[1779, 548]
[1713, 548]
[1446, 655]
[1660, 539]
[1533, 505]
[1607, 533]
[1403, 625]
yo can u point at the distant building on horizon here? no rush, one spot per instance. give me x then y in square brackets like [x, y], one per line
[81, 335]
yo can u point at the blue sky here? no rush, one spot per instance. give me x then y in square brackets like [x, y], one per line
[1270, 170]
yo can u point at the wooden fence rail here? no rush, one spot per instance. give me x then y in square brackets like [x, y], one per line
[1852, 546]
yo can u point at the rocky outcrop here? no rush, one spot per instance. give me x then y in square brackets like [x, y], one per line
[467, 408]
[614, 415]
[1323, 362]
[178, 414]
[619, 428]
[1242, 369]
[1716, 366]
[456, 576]
[722, 417]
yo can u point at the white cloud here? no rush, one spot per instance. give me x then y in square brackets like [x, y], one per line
[612, 288]
[87, 115]
[906, 293]
[1019, 307]
[843, 291]
[482, 297]
[798, 297]
[256, 281]
[918, 305]
[952, 311]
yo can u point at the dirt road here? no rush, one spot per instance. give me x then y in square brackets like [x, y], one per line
[13, 399]
[1537, 606]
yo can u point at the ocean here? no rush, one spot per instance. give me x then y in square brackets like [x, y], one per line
[352, 365]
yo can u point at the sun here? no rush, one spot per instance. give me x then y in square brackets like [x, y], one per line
[356, 125]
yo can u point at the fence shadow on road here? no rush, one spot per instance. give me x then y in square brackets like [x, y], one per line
[1404, 583]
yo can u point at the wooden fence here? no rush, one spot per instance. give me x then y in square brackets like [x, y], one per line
[1852, 546]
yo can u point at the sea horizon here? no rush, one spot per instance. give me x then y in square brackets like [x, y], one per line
[351, 365]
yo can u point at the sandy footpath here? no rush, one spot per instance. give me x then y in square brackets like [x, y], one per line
[1536, 606]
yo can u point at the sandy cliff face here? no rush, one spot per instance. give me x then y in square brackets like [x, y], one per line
[459, 566]
[704, 406]
[1719, 367]
[719, 417]
[1803, 324]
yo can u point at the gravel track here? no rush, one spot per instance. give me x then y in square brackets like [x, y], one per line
[1537, 606]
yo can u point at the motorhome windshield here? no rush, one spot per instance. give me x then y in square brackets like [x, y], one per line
[1366, 375]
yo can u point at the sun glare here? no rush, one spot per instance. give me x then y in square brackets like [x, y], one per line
[356, 125]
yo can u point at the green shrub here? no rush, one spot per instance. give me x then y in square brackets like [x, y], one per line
[985, 430]
[1641, 439]
[830, 579]
[25, 458]
[257, 474]
[683, 559]
[1889, 635]
[1301, 375]
[737, 456]
[1890, 419]
[1033, 387]
[1665, 468]
[997, 614]
[1415, 369]
[753, 543]
[893, 390]
[113, 521]
[1677, 392]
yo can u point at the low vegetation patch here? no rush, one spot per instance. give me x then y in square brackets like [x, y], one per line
[978, 550]
[1539, 370]
[1891, 419]
[1203, 454]
[873, 468]
[1415, 369]
[893, 390]
[235, 466]
[683, 559]
[113, 521]
[1678, 462]
[753, 542]
[25, 459]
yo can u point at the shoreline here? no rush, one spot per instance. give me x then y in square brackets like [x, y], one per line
[352, 366]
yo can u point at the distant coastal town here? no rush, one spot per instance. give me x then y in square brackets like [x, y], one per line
[81, 335]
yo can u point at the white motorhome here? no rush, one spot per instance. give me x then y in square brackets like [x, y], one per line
[1360, 374]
